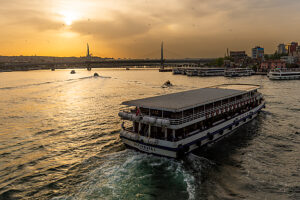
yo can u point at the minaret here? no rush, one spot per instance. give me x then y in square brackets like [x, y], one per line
[88, 51]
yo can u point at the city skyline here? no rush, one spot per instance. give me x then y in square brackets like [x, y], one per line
[135, 29]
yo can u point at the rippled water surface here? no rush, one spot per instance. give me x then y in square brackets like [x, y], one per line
[59, 140]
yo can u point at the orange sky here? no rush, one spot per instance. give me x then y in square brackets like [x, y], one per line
[135, 28]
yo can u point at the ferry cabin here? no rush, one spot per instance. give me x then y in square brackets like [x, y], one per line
[173, 125]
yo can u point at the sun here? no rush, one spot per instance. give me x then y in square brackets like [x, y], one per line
[69, 17]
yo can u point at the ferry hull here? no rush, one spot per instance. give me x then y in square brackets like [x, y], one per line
[180, 148]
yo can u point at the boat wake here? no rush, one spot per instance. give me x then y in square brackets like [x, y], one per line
[132, 175]
[51, 82]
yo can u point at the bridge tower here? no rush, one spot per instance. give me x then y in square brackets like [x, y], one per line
[162, 56]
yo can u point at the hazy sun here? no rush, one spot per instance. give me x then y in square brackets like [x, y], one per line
[69, 17]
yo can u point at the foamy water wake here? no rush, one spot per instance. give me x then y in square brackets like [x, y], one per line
[133, 175]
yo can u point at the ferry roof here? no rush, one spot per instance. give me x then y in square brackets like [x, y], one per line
[176, 102]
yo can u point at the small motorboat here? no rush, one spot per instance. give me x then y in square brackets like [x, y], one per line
[167, 84]
[73, 72]
[52, 69]
[96, 74]
[127, 68]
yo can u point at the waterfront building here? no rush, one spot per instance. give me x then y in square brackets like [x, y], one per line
[281, 49]
[238, 54]
[271, 64]
[292, 48]
[289, 59]
[258, 53]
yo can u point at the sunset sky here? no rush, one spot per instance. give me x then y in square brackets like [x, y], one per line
[135, 28]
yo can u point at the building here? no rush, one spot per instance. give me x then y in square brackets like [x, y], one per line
[238, 54]
[292, 48]
[289, 59]
[258, 53]
[281, 49]
[271, 64]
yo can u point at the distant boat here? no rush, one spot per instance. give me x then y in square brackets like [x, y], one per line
[127, 68]
[96, 74]
[238, 72]
[167, 84]
[73, 72]
[52, 69]
[284, 74]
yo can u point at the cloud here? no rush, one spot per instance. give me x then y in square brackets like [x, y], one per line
[120, 26]
[192, 28]
[30, 18]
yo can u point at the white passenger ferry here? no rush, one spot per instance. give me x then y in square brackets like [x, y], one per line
[211, 72]
[192, 72]
[284, 74]
[238, 72]
[175, 124]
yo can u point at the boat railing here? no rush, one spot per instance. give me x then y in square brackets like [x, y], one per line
[285, 70]
[207, 113]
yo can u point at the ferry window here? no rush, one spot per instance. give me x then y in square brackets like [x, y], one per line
[144, 111]
[179, 133]
[167, 114]
[218, 103]
[232, 99]
[188, 112]
[159, 133]
[224, 101]
[208, 106]
[136, 126]
[239, 97]
[176, 115]
[157, 113]
[199, 109]
[169, 134]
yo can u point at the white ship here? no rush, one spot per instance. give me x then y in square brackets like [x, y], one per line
[211, 72]
[284, 74]
[175, 124]
[237, 72]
